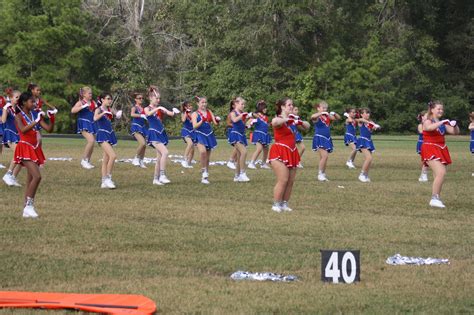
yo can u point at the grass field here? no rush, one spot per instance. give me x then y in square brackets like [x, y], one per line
[178, 244]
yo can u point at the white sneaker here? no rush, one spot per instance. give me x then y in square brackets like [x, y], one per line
[284, 206]
[142, 164]
[252, 166]
[231, 165]
[364, 179]
[85, 164]
[265, 166]
[108, 184]
[186, 164]
[205, 181]
[29, 212]
[2, 166]
[299, 165]
[136, 161]
[436, 203]
[205, 175]
[243, 178]
[322, 178]
[350, 165]
[277, 208]
[163, 179]
[423, 177]
[15, 182]
[7, 178]
[236, 178]
[156, 181]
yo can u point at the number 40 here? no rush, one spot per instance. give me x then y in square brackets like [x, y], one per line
[332, 267]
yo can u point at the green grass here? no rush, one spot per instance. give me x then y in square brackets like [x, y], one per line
[178, 244]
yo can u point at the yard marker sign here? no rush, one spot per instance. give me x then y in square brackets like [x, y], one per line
[340, 266]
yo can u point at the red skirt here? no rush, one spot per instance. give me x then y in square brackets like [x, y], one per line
[286, 155]
[433, 151]
[27, 152]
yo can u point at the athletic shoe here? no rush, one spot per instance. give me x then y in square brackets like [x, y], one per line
[231, 165]
[186, 164]
[252, 166]
[350, 165]
[142, 164]
[284, 206]
[29, 212]
[15, 182]
[436, 203]
[108, 184]
[423, 177]
[299, 165]
[156, 181]
[363, 178]
[243, 178]
[205, 175]
[322, 178]
[204, 181]
[236, 178]
[85, 164]
[7, 178]
[265, 166]
[2, 166]
[163, 179]
[136, 161]
[277, 208]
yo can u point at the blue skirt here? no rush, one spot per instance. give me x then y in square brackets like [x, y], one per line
[186, 133]
[10, 136]
[86, 125]
[1, 129]
[321, 142]
[227, 134]
[156, 136]
[262, 137]
[106, 136]
[472, 146]
[350, 138]
[237, 137]
[135, 128]
[209, 141]
[364, 143]
[418, 146]
[298, 137]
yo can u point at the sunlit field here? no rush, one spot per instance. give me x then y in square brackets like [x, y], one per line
[179, 243]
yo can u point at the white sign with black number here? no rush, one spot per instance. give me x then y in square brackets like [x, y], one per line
[340, 266]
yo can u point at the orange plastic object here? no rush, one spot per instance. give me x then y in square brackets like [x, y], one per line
[119, 304]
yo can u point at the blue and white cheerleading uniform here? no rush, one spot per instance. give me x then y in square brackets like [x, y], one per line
[419, 143]
[138, 123]
[187, 131]
[10, 132]
[322, 134]
[297, 133]
[237, 134]
[472, 141]
[260, 133]
[156, 129]
[104, 129]
[85, 118]
[35, 112]
[350, 135]
[204, 133]
[365, 139]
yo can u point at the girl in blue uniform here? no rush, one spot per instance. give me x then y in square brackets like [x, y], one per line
[139, 130]
[187, 133]
[238, 139]
[364, 142]
[228, 129]
[157, 136]
[3, 102]
[471, 129]
[11, 136]
[350, 138]
[322, 141]
[205, 138]
[84, 108]
[424, 169]
[260, 135]
[298, 136]
[106, 138]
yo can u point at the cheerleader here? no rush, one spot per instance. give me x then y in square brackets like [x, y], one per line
[350, 138]
[106, 137]
[283, 156]
[157, 136]
[86, 126]
[28, 152]
[424, 169]
[139, 130]
[187, 133]
[322, 141]
[205, 138]
[3, 102]
[298, 137]
[233, 156]
[471, 129]
[11, 136]
[364, 142]
[35, 90]
[434, 152]
[260, 136]
[238, 139]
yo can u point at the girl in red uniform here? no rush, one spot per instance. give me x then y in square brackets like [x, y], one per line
[284, 157]
[28, 152]
[434, 152]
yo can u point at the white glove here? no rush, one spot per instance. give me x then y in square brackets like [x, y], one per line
[118, 114]
[143, 116]
[175, 110]
[218, 119]
[85, 106]
[52, 111]
[377, 126]
[325, 113]
[106, 112]
[445, 121]
[346, 115]
[38, 118]
[332, 113]
[453, 123]
[294, 116]
[8, 106]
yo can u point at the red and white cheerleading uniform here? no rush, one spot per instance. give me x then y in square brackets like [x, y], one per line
[284, 149]
[28, 148]
[434, 146]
